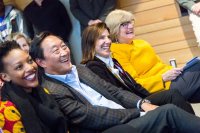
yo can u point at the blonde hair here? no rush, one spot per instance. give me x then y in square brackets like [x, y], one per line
[16, 36]
[115, 19]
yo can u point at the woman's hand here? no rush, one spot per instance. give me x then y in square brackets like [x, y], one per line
[91, 22]
[172, 74]
[148, 107]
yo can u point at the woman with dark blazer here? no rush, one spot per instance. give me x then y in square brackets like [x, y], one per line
[97, 57]
[37, 111]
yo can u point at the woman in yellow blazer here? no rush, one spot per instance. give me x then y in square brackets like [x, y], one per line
[139, 59]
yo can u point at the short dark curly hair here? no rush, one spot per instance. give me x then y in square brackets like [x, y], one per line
[5, 48]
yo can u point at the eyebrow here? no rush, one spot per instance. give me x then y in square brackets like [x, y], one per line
[55, 45]
[18, 62]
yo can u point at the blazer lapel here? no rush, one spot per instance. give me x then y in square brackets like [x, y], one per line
[120, 79]
[133, 86]
[89, 78]
[73, 91]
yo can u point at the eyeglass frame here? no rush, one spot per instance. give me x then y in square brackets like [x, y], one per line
[127, 23]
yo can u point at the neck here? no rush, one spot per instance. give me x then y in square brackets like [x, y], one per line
[28, 90]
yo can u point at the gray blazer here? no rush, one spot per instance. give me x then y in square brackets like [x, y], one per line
[85, 116]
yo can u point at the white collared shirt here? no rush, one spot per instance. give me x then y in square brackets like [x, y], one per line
[110, 64]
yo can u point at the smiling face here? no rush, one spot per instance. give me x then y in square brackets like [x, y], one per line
[23, 44]
[102, 46]
[126, 32]
[56, 56]
[20, 69]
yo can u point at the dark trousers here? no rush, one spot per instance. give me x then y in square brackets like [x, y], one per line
[125, 128]
[188, 83]
[166, 119]
[170, 96]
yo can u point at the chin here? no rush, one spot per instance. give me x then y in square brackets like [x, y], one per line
[67, 69]
[106, 56]
[34, 85]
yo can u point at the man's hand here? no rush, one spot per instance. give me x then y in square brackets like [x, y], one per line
[172, 74]
[148, 107]
[91, 22]
[196, 8]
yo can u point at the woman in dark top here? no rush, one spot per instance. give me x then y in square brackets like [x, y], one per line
[39, 112]
[97, 57]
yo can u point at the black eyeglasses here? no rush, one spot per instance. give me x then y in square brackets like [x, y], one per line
[127, 23]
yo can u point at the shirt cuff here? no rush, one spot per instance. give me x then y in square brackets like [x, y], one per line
[138, 103]
[142, 113]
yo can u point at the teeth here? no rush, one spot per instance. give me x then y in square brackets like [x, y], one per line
[129, 32]
[65, 60]
[105, 47]
[30, 77]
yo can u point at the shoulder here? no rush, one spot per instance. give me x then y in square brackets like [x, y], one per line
[86, 74]
[51, 85]
[140, 42]
[83, 71]
[120, 47]
[95, 64]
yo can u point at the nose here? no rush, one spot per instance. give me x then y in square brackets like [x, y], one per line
[130, 25]
[64, 52]
[108, 40]
[29, 67]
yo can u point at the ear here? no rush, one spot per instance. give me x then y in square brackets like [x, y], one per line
[41, 62]
[5, 77]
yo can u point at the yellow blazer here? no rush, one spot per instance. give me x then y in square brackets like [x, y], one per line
[141, 62]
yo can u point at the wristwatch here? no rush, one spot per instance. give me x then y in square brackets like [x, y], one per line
[143, 101]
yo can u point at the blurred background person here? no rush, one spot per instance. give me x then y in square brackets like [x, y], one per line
[10, 21]
[48, 15]
[23, 41]
[89, 12]
[193, 7]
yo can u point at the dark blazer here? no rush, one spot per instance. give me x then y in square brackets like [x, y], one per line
[100, 68]
[81, 113]
[86, 10]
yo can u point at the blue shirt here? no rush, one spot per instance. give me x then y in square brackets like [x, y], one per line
[95, 98]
